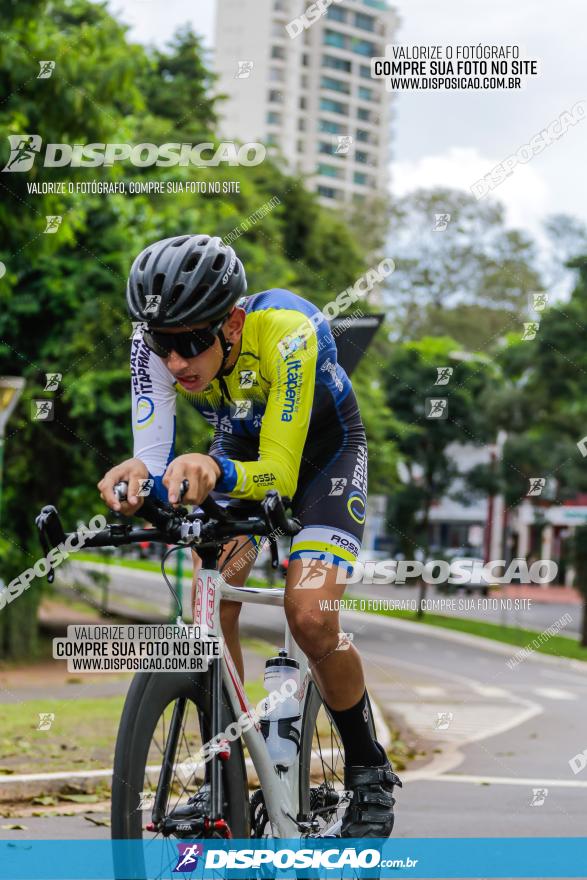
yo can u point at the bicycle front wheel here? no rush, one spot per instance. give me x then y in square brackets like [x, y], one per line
[170, 714]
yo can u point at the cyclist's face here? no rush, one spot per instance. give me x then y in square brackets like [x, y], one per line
[196, 373]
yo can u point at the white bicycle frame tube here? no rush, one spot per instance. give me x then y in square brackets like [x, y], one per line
[280, 787]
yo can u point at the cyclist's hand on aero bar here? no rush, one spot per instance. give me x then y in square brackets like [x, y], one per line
[201, 473]
[133, 472]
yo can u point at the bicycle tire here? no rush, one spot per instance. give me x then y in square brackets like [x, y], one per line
[148, 696]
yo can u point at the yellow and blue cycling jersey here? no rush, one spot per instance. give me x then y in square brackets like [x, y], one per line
[284, 418]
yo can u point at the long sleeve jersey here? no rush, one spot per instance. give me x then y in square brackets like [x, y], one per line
[285, 380]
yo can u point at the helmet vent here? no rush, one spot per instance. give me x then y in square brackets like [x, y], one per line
[140, 288]
[158, 283]
[144, 261]
[203, 289]
[218, 263]
[202, 242]
[176, 293]
[191, 262]
[179, 241]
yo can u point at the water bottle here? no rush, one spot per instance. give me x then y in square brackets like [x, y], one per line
[280, 718]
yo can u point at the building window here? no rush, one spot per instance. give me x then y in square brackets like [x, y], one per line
[273, 118]
[364, 114]
[325, 147]
[365, 22]
[271, 140]
[305, 60]
[336, 13]
[328, 192]
[333, 106]
[365, 94]
[278, 52]
[301, 124]
[358, 198]
[361, 157]
[360, 178]
[275, 96]
[365, 71]
[336, 85]
[276, 75]
[277, 29]
[364, 47]
[302, 103]
[279, 6]
[335, 38]
[362, 135]
[330, 171]
[336, 63]
[331, 127]
[300, 146]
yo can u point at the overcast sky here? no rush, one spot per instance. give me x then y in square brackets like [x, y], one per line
[454, 138]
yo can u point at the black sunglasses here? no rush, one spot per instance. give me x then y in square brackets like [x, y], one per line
[187, 345]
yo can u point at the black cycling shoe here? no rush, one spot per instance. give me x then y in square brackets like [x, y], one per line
[197, 805]
[370, 812]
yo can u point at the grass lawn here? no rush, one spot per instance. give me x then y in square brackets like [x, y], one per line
[557, 646]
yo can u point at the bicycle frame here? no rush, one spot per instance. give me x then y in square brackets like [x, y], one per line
[280, 787]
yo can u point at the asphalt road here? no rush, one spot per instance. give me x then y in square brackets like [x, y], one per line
[504, 736]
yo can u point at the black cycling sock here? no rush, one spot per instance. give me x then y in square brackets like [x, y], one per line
[353, 725]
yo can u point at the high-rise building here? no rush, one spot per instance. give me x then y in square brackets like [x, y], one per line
[308, 93]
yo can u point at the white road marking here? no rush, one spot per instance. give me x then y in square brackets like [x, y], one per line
[415, 775]
[429, 690]
[554, 694]
[487, 690]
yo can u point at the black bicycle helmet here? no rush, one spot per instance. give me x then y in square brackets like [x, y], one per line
[193, 277]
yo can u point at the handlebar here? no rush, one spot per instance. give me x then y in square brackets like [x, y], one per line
[209, 527]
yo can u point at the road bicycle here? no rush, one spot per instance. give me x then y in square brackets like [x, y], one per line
[168, 717]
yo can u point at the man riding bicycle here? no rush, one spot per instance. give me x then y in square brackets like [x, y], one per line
[263, 371]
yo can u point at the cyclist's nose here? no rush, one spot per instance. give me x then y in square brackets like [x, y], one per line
[176, 363]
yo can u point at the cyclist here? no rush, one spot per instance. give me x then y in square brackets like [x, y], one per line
[263, 371]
